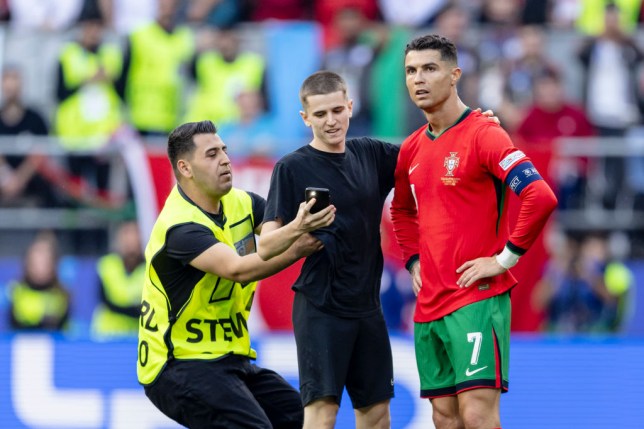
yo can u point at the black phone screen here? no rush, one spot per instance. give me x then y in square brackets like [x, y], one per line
[322, 198]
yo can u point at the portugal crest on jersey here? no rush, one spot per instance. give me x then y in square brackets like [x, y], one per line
[451, 162]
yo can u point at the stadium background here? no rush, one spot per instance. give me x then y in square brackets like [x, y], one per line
[74, 381]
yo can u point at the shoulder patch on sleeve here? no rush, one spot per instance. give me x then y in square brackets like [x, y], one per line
[511, 159]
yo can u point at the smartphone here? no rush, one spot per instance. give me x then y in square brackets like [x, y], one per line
[322, 198]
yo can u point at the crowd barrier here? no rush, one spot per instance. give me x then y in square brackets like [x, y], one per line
[558, 383]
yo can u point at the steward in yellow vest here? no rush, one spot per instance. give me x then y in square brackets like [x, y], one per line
[121, 276]
[38, 307]
[221, 75]
[89, 109]
[152, 81]
[39, 300]
[194, 353]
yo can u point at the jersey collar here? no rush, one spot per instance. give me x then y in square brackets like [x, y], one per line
[461, 118]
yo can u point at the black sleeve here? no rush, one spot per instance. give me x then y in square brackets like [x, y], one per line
[281, 203]
[121, 82]
[259, 206]
[63, 91]
[387, 155]
[187, 241]
[37, 123]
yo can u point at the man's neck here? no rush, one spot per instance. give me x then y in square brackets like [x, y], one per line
[12, 112]
[445, 116]
[205, 202]
[336, 148]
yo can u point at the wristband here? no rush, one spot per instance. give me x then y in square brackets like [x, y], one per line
[411, 261]
[507, 259]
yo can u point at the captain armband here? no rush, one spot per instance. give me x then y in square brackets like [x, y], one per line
[521, 176]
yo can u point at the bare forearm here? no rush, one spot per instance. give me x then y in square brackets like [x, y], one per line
[252, 267]
[274, 243]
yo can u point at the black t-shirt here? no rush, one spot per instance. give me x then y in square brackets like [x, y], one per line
[344, 278]
[31, 123]
[184, 243]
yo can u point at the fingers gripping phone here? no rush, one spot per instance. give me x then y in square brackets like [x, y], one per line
[322, 198]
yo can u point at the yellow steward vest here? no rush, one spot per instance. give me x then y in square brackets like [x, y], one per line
[219, 82]
[154, 81]
[32, 307]
[87, 118]
[121, 290]
[213, 321]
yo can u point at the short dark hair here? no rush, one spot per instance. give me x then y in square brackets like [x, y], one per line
[180, 140]
[434, 42]
[320, 83]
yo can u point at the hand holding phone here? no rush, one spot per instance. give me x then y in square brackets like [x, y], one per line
[322, 198]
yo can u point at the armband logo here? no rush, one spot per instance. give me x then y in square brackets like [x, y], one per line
[514, 183]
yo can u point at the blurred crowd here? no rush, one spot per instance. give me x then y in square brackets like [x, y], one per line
[139, 68]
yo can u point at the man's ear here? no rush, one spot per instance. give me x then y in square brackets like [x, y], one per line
[350, 106]
[184, 168]
[456, 75]
[304, 116]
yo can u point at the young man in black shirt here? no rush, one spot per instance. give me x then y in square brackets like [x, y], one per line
[340, 330]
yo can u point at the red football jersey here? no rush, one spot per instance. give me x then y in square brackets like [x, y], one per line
[456, 180]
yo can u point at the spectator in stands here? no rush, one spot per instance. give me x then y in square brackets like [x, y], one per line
[523, 58]
[263, 10]
[413, 14]
[44, 15]
[151, 81]
[352, 59]
[124, 16]
[610, 62]
[253, 133]
[325, 12]
[121, 275]
[89, 109]
[215, 13]
[453, 21]
[222, 71]
[549, 117]
[498, 44]
[573, 290]
[20, 183]
[39, 300]
[591, 15]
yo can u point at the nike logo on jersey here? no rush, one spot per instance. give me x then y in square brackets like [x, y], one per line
[469, 373]
[411, 170]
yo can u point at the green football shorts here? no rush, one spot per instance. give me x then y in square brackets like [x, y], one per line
[467, 349]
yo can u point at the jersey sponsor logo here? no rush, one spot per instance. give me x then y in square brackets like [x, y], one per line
[451, 162]
[411, 170]
[469, 373]
[511, 159]
[216, 329]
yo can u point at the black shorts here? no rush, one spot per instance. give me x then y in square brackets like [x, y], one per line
[226, 393]
[335, 352]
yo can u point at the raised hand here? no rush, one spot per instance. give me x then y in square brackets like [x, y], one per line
[306, 221]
